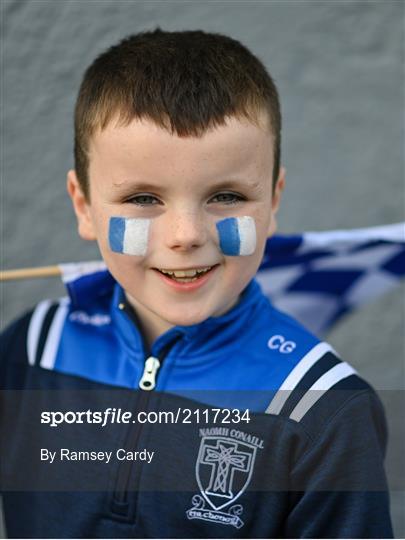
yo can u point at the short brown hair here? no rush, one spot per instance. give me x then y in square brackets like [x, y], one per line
[186, 82]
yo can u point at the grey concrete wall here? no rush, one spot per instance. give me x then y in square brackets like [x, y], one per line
[339, 69]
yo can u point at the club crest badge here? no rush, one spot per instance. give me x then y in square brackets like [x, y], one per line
[224, 469]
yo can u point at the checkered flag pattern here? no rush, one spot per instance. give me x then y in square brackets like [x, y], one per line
[316, 277]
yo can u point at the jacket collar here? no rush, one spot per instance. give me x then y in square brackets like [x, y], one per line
[100, 289]
[203, 338]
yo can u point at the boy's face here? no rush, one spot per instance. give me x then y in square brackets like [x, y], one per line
[184, 186]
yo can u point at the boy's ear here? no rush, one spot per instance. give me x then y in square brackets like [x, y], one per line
[81, 207]
[275, 202]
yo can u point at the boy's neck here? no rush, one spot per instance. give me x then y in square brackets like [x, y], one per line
[150, 325]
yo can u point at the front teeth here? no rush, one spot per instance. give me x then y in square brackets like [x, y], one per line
[186, 273]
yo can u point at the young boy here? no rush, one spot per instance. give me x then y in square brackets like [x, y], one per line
[178, 178]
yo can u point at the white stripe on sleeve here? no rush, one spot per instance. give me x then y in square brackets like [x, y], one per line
[54, 335]
[322, 385]
[34, 329]
[303, 366]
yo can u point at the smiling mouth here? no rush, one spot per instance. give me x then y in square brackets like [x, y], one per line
[186, 276]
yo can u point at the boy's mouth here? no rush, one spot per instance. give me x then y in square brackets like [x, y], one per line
[186, 276]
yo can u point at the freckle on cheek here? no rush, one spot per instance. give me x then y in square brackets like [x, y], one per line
[129, 236]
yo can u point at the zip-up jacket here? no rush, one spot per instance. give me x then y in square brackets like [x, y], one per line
[270, 434]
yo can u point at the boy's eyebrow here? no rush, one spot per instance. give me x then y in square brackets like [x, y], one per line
[234, 183]
[136, 186]
[230, 183]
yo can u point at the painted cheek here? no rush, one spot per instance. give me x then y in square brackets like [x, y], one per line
[129, 236]
[237, 236]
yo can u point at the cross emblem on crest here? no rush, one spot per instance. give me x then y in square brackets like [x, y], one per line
[224, 459]
[224, 468]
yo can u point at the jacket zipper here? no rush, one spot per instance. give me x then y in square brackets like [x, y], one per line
[148, 379]
[120, 502]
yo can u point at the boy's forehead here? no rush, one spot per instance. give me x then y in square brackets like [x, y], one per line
[238, 146]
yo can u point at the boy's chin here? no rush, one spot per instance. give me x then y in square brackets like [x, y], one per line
[186, 319]
[190, 317]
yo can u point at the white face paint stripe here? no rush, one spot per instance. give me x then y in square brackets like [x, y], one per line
[247, 235]
[129, 235]
[136, 236]
[237, 236]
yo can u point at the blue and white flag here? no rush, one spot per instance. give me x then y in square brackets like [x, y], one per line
[316, 277]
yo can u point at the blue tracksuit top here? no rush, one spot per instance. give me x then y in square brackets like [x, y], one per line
[272, 435]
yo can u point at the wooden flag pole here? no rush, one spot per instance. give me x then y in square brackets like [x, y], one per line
[27, 273]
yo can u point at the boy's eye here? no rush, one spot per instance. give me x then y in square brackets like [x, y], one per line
[227, 198]
[144, 200]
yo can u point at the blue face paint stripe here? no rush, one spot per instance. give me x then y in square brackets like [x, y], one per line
[116, 234]
[229, 240]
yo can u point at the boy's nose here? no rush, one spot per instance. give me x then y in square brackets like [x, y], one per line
[185, 231]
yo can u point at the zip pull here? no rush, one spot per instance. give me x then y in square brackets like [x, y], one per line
[148, 379]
